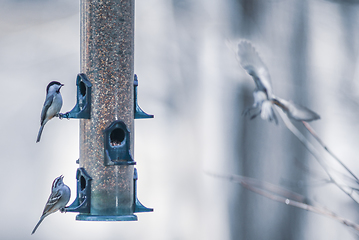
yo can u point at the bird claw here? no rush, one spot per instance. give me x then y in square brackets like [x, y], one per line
[62, 115]
[62, 210]
[255, 115]
[246, 112]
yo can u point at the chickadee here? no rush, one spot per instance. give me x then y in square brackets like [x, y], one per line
[52, 105]
[263, 95]
[60, 196]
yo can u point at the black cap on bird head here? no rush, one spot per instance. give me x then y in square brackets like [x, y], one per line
[53, 83]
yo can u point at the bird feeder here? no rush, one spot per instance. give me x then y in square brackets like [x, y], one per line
[107, 93]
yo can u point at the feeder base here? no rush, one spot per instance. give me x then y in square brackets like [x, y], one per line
[86, 217]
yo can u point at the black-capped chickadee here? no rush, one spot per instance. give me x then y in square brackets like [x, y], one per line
[59, 197]
[52, 105]
[263, 95]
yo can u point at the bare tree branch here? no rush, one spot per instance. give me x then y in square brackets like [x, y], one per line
[315, 154]
[315, 135]
[282, 195]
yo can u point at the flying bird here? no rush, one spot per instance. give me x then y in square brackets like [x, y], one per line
[264, 98]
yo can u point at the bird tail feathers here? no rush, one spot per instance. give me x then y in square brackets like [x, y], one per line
[38, 224]
[267, 112]
[40, 132]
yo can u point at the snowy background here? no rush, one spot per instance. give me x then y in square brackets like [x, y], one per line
[191, 81]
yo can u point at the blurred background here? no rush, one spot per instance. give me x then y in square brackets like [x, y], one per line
[191, 81]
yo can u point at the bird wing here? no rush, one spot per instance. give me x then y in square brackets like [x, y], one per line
[295, 111]
[47, 104]
[301, 113]
[51, 202]
[252, 63]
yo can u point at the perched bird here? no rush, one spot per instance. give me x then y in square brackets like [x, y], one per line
[263, 95]
[59, 197]
[52, 105]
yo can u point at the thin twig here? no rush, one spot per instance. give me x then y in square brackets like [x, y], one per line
[313, 151]
[316, 175]
[282, 195]
[315, 135]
